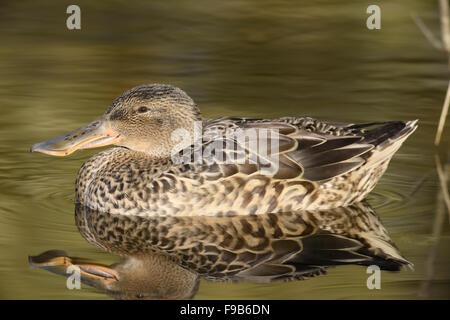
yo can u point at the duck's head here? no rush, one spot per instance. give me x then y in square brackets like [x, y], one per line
[142, 119]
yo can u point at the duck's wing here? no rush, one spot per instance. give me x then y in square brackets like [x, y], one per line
[307, 148]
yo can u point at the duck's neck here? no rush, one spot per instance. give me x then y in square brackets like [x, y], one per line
[166, 143]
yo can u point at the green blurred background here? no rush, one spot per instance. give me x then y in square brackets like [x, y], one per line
[244, 58]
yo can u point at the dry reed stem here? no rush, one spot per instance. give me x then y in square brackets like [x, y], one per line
[443, 117]
[445, 24]
[443, 182]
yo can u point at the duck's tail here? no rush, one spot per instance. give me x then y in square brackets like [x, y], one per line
[386, 137]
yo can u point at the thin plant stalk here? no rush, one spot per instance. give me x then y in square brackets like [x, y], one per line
[443, 117]
[443, 182]
[445, 24]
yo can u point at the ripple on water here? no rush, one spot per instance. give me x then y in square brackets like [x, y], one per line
[382, 198]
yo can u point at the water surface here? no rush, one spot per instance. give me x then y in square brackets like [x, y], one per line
[242, 58]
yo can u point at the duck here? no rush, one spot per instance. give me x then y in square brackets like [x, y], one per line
[166, 257]
[167, 160]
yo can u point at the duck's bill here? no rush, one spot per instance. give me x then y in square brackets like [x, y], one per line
[92, 274]
[93, 135]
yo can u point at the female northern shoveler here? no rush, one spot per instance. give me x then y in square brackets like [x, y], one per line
[319, 165]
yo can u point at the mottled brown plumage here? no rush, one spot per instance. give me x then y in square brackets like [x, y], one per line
[318, 165]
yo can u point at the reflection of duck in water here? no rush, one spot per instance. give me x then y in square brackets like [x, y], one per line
[164, 257]
[152, 276]
[319, 165]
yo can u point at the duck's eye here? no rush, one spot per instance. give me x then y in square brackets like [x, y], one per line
[142, 109]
